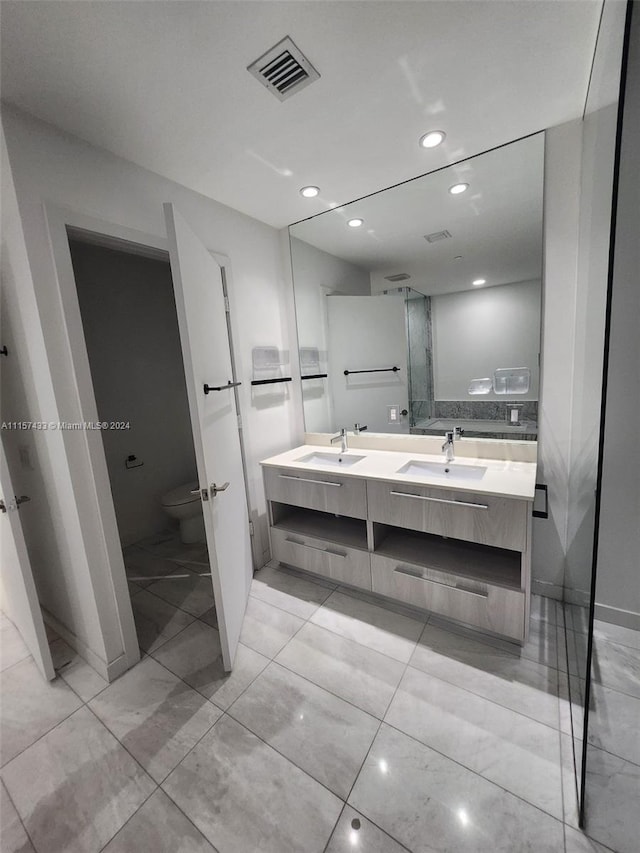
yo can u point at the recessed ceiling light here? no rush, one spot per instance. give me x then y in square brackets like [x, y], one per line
[478, 281]
[456, 189]
[355, 223]
[309, 192]
[433, 138]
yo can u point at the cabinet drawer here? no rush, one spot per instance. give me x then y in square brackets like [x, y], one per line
[345, 565]
[483, 605]
[326, 492]
[460, 515]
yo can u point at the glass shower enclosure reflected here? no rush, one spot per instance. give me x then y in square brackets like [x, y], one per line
[419, 357]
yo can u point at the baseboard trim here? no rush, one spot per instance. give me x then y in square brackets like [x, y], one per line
[581, 597]
[118, 667]
[77, 644]
[617, 616]
[547, 589]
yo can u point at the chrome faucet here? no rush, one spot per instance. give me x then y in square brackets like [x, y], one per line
[358, 428]
[450, 436]
[447, 447]
[342, 435]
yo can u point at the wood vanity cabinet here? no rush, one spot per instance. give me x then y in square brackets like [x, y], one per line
[462, 555]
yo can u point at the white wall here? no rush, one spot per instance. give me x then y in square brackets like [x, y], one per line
[563, 151]
[131, 329]
[618, 571]
[316, 274]
[48, 165]
[478, 331]
[599, 132]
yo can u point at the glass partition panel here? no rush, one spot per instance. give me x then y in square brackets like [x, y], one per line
[598, 163]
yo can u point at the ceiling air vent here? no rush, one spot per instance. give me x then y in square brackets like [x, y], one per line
[401, 276]
[437, 235]
[284, 70]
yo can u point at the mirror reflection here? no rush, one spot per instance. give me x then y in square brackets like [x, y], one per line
[418, 308]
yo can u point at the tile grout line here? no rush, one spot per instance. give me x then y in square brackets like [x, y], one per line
[173, 636]
[449, 758]
[335, 826]
[612, 754]
[607, 640]
[158, 785]
[381, 721]
[100, 722]
[22, 823]
[612, 689]
[476, 773]
[282, 755]
[164, 600]
[408, 664]
[372, 822]
[342, 636]
[273, 661]
[15, 663]
[130, 818]
[480, 696]
[44, 734]
[166, 793]
[561, 630]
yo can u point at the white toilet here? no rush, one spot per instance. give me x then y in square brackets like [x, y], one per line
[187, 508]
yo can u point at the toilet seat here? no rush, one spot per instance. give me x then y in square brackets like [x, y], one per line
[181, 495]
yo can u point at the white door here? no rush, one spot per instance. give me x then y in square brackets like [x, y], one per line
[200, 303]
[18, 596]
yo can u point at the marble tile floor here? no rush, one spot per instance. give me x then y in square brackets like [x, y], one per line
[345, 726]
[167, 587]
[613, 749]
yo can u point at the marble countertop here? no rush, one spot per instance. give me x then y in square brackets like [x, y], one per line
[503, 478]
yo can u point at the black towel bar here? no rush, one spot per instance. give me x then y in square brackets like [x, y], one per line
[376, 370]
[271, 381]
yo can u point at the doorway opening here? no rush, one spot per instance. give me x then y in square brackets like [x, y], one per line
[130, 325]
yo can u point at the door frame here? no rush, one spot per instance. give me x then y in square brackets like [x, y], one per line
[104, 533]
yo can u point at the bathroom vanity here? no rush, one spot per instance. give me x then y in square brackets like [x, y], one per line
[450, 538]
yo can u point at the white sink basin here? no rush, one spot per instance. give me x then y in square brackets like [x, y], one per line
[446, 470]
[330, 460]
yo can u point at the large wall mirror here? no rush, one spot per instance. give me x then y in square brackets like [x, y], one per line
[418, 308]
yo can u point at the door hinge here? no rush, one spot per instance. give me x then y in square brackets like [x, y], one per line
[251, 531]
[226, 304]
[239, 421]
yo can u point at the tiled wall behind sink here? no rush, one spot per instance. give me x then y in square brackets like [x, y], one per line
[490, 410]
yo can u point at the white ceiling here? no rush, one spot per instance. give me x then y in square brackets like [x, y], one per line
[164, 84]
[495, 226]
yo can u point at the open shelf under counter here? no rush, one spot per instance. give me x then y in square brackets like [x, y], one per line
[343, 530]
[485, 563]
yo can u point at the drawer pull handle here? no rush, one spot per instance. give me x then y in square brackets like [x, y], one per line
[439, 500]
[308, 480]
[316, 548]
[401, 570]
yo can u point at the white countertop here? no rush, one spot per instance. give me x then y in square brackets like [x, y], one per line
[503, 478]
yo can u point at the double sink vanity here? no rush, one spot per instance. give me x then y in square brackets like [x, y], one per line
[393, 517]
